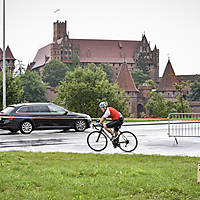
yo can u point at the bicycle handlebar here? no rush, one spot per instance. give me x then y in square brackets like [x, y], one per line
[97, 125]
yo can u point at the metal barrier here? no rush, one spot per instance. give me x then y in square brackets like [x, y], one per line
[183, 125]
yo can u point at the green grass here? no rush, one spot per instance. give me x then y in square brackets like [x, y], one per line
[26, 175]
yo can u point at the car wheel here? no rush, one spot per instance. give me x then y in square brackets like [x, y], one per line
[80, 125]
[26, 127]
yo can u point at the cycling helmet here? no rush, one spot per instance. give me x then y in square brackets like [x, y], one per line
[103, 104]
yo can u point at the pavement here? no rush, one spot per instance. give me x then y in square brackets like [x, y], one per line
[152, 137]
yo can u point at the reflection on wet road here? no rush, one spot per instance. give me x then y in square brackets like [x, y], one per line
[25, 143]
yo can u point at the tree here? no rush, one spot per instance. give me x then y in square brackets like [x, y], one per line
[184, 104]
[13, 91]
[54, 72]
[75, 62]
[142, 62]
[195, 91]
[159, 107]
[108, 70]
[33, 88]
[151, 83]
[83, 90]
[139, 77]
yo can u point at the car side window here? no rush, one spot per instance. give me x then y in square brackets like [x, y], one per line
[41, 109]
[56, 109]
[24, 109]
[34, 109]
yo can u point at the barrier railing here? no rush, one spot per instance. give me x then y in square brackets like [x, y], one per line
[183, 125]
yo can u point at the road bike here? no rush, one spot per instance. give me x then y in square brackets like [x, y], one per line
[98, 140]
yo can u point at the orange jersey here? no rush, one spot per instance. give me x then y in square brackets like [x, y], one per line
[112, 113]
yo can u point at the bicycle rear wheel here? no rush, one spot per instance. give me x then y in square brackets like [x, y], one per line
[97, 141]
[127, 141]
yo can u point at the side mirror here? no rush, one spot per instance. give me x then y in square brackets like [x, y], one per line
[65, 112]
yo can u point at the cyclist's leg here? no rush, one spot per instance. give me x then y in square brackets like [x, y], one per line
[110, 125]
[118, 126]
[109, 130]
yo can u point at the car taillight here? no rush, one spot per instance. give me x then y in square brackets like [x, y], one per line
[11, 117]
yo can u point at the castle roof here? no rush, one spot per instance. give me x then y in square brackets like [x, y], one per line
[42, 57]
[110, 51]
[9, 55]
[125, 80]
[95, 51]
[191, 77]
[168, 79]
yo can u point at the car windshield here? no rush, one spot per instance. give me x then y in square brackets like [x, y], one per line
[8, 110]
[56, 109]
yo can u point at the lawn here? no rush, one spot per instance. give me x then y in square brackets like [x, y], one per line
[70, 176]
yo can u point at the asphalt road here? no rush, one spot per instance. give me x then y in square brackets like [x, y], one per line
[152, 139]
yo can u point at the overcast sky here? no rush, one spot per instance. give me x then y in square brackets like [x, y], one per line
[173, 25]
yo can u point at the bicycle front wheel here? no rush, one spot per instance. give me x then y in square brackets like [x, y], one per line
[97, 141]
[127, 141]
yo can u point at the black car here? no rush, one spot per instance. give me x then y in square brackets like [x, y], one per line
[27, 117]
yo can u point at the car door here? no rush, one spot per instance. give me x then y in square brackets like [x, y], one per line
[59, 116]
[42, 116]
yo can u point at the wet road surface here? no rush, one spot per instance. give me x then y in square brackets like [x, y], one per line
[152, 139]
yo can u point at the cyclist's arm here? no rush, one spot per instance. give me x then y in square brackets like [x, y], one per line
[106, 114]
[102, 120]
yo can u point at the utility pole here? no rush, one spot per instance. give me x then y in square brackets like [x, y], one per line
[4, 58]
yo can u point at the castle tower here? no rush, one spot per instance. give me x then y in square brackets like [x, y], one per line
[156, 63]
[127, 84]
[166, 85]
[10, 60]
[60, 30]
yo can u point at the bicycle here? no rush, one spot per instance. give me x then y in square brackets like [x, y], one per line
[98, 140]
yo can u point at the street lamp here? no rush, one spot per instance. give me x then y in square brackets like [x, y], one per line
[4, 59]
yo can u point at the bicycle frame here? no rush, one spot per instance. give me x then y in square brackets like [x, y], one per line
[108, 135]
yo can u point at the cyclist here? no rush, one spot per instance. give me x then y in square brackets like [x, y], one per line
[117, 119]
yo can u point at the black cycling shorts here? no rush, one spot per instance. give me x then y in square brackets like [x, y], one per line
[115, 124]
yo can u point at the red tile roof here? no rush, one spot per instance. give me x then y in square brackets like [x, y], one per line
[97, 51]
[125, 80]
[112, 51]
[41, 56]
[168, 79]
[9, 55]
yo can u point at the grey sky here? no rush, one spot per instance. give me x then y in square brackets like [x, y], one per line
[173, 25]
